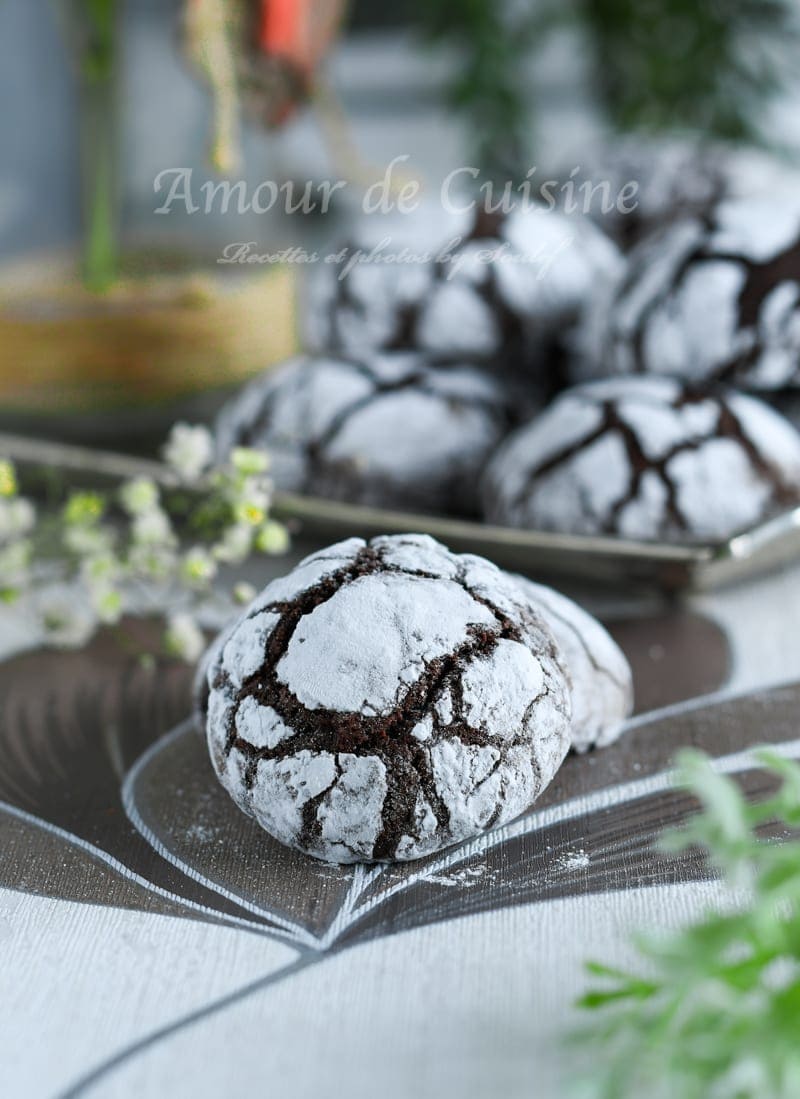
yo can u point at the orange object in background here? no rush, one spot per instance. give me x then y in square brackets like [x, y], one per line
[300, 31]
[283, 28]
[264, 52]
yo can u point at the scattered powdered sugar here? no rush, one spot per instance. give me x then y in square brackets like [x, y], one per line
[464, 877]
[572, 860]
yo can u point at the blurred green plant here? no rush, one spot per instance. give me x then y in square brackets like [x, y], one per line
[94, 31]
[657, 65]
[82, 565]
[709, 67]
[495, 45]
[715, 1011]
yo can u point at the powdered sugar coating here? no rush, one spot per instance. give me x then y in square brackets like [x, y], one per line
[602, 682]
[714, 300]
[391, 431]
[410, 625]
[501, 293]
[393, 708]
[660, 181]
[655, 461]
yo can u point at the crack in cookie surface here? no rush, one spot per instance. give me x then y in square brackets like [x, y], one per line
[749, 346]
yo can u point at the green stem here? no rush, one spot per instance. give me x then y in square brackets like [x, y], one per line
[99, 143]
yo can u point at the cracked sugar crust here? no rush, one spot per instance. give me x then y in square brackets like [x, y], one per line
[602, 681]
[390, 431]
[385, 700]
[646, 459]
[508, 311]
[675, 178]
[712, 299]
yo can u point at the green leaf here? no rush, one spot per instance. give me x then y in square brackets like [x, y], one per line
[715, 1012]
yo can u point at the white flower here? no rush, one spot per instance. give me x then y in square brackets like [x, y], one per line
[84, 509]
[184, 638]
[152, 561]
[152, 528]
[247, 513]
[198, 567]
[15, 560]
[244, 593]
[8, 479]
[89, 541]
[106, 603]
[272, 538]
[189, 451]
[102, 569]
[139, 496]
[258, 490]
[17, 518]
[66, 619]
[249, 461]
[235, 544]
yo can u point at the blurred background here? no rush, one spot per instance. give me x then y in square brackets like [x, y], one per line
[114, 319]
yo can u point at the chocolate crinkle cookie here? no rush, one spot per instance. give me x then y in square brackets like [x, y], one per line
[646, 458]
[633, 187]
[385, 700]
[391, 431]
[715, 299]
[501, 293]
[600, 675]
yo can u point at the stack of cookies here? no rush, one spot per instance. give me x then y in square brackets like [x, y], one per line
[554, 372]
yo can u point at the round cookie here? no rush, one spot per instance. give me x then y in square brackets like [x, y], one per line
[502, 294]
[712, 300]
[393, 431]
[602, 682]
[385, 700]
[648, 459]
[634, 187]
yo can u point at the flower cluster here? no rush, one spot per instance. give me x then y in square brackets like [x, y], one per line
[17, 521]
[172, 539]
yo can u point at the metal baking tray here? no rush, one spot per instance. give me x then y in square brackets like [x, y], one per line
[608, 560]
